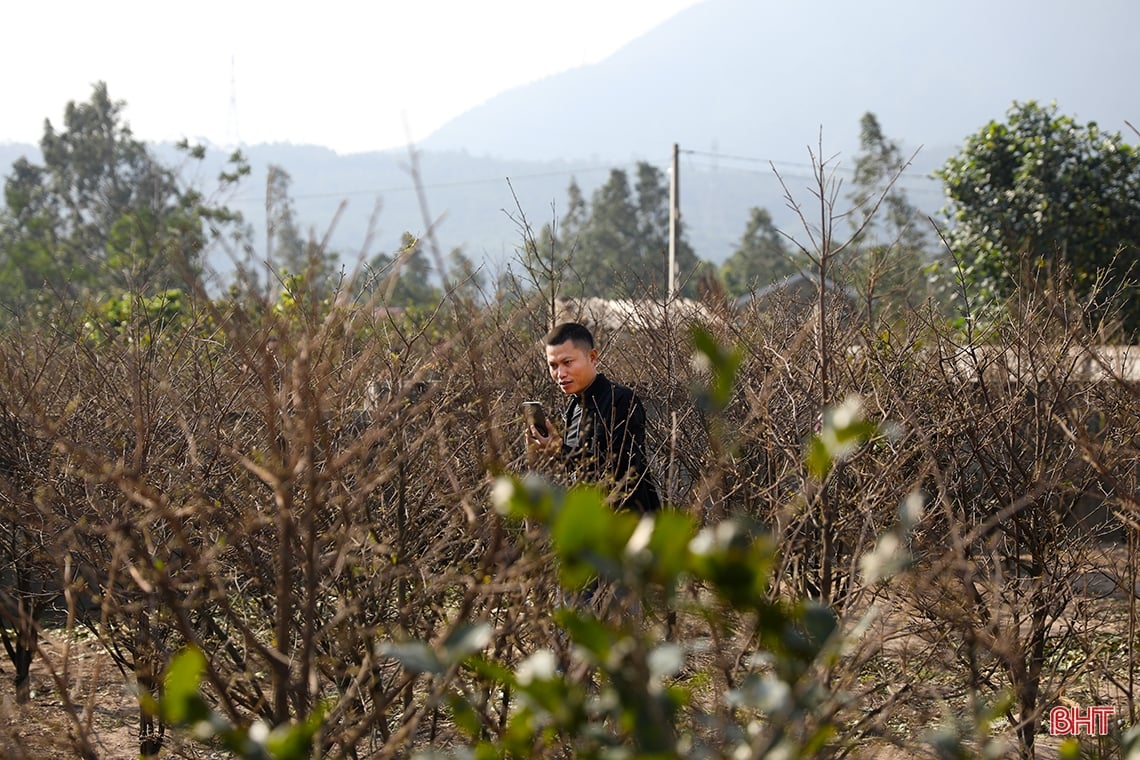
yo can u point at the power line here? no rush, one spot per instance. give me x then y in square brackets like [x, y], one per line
[792, 164]
[591, 169]
[916, 181]
[457, 183]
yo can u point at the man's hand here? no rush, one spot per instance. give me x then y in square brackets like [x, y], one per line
[546, 442]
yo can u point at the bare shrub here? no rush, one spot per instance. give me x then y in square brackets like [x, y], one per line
[299, 490]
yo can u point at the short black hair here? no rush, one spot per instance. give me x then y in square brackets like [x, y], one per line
[570, 331]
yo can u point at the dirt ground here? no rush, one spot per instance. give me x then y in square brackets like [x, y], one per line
[101, 721]
[102, 710]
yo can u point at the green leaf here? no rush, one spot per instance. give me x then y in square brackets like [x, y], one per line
[182, 704]
[294, 741]
[734, 562]
[820, 622]
[592, 635]
[583, 522]
[669, 545]
[818, 458]
[464, 715]
[490, 670]
[722, 365]
[415, 656]
[589, 537]
[844, 430]
[466, 639]
[486, 751]
[529, 497]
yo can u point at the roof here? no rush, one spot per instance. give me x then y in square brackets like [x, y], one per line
[1073, 364]
[630, 314]
[796, 285]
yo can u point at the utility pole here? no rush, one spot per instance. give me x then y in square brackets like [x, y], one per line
[674, 231]
[674, 221]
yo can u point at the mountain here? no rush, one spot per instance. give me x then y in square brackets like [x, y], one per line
[762, 78]
[736, 84]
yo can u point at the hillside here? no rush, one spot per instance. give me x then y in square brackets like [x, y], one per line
[762, 78]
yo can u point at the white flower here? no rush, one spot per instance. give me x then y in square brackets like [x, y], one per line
[911, 510]
[501, 494]
[639, 541]
[539, 666]
[886, 560]
[848, 413]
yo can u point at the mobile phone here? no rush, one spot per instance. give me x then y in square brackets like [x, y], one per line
[535, 415]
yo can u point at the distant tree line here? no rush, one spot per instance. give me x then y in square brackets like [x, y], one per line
[1035, 199]
[101, 214]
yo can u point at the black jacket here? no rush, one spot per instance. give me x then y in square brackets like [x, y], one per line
[611, 442]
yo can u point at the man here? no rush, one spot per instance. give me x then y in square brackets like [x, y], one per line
[604, 437]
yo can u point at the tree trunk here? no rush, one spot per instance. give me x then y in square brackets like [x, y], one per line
[27, 638]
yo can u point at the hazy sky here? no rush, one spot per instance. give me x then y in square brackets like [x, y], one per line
[353, 76]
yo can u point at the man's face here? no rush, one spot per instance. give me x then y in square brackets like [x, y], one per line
[572, 366]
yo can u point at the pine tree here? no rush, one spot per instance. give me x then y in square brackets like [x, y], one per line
[890, 252]
[402, 278]
[761, 257]
[101, 214]
[289, 252]
[624, 241]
